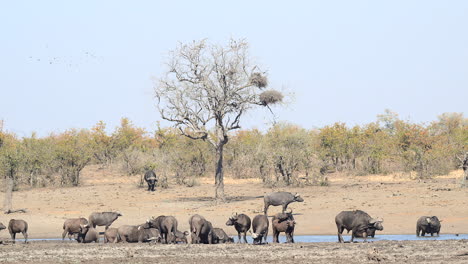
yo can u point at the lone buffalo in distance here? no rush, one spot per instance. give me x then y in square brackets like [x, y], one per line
[280, 198]
[151, 179]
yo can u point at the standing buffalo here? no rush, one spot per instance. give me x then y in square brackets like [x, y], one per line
[72, 226]
[167, 226]
[220, 237]
[283, 222]
[428, 224]
[280, 198]
[201, 230]
[151, 179]
[88, 234]
[242, 224]
[18, 226]
[260, 226]
[359, 222]
[111, 234]
[103, 219]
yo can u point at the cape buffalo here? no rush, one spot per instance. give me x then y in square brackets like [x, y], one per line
[201, 230]
[181, 237]
[428, 224]
[72, 226]
[283, 222]
[103, 219]
[260, 226]
[359, 222]
[220, 237]
[242, 224]
[280, 198]
[138, 233]
[88, 234]
[167, 225]
[151, 179]
[110, 236]
[18, 226]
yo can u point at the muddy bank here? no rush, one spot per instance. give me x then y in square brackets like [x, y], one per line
[448, 251]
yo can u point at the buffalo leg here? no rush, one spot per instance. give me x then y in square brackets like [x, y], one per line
[64, 234]
[265, 237]
[13, 236]
[364, 235]
[292, 236]
[285, 206]
[245, 237]
[275, 236]
[239, 236]
[25, 235]
[340, 237]
[423, 233]
[265, 209]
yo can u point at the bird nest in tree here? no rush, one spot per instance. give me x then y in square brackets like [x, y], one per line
[270, 97]
[258, 80]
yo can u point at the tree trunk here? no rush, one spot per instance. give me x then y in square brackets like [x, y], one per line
[219, 175]
[7, 203]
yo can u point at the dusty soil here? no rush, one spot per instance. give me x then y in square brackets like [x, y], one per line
[449, 251]
[395, 198]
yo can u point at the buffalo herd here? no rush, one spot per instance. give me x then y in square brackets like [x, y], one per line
[164, 229]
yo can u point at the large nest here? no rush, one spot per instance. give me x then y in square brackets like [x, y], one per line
[270, 97]
[259, 80]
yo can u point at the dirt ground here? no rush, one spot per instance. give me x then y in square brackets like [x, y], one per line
[449, 251]
[395, 198]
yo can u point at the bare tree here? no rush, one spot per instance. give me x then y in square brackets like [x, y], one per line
[207, 90]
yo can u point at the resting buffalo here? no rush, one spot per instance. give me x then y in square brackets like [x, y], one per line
[139, 233]
[428, 224]
[151, 179]
[280, 198]
[260, 226]
[103, 219]
[201, 230]
[242, 224]
[220, 237]
[283, 222]
[181, 237]
[167, 225]
[18, 226]
[72, 226]
[88, 234]
[111, 234]
[359, 222]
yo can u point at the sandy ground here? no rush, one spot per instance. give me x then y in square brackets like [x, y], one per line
[395, 198]
[450, 251]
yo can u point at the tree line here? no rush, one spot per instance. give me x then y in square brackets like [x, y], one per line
[285, 154]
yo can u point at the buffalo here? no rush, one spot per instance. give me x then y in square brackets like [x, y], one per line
[18, 226]
[280, 198]
[103, 219]
[151, 179]
[201, 230]
[181, 237]
[359, 222]
[241, 223]
[167, 226]
[260, 226]
[88, 234]
[283, 222]
[72, 226]
[220, 237]
[138, 233]
[428, 224]
[111, 235]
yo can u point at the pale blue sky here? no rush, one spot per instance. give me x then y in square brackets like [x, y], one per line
[69, 64]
